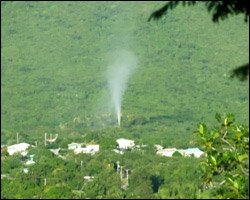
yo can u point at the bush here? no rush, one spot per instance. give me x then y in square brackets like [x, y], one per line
[225, 170]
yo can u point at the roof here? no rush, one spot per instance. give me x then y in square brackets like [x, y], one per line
[158, 147]
[74, 145]
[88, 178]
[125, 144]
[92, 148]
[30, 162]
[17, 148]
[195, 151]
[185, 152]
[55, 151]
[125, 140]
[166, 152]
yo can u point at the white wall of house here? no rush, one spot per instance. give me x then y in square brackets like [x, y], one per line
[191, 151]
[125, 144]
[18, 148]
[92, 148]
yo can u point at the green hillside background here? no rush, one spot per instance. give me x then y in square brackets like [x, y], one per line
[54, 58]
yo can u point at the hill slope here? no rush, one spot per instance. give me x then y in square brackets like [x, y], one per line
[55, 57]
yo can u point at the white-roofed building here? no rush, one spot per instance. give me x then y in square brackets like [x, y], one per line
[158, 147]
[125, 143]
[88, 178]
[18, 148]
[55, 151]
[92, 149]
[74, 146]
[25, 170]
[166, 152]
[185, 152]
[191, 151]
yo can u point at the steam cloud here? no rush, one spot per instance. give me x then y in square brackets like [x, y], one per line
[124, 63]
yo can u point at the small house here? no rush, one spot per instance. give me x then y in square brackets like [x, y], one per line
[166, 152]
[88, 178]
[91, 149]
[18, 148]
[125, 143]
[191, 151]
[74, 146]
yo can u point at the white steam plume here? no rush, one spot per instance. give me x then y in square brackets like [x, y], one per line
[123, 64]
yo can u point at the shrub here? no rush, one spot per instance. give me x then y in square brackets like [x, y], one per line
[225, 170]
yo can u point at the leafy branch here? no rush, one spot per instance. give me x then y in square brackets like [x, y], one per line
[225, 169]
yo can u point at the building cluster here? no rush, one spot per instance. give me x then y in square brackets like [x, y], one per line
[168, 152]
[90, 148]
[122, 146]
[21, 148]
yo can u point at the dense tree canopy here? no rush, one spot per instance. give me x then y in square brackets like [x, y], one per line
[221, 10]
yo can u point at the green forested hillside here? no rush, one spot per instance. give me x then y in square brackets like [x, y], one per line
[54, 60]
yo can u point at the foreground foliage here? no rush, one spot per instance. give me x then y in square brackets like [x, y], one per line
[226, 167]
